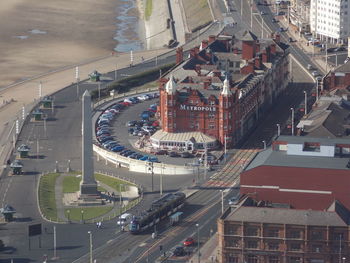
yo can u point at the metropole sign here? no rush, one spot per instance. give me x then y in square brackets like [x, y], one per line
[197, 108]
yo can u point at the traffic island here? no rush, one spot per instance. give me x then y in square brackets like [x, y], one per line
[58, 191]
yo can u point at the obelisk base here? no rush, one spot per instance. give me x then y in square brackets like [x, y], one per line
[88, 189]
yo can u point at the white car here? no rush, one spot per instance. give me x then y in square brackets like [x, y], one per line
[142, 97]
[124, 219]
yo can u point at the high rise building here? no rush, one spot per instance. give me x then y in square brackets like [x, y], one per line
[329, 20]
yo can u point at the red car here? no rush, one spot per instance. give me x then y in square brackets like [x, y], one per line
[189, 242]
[125, 103]
[155, 124]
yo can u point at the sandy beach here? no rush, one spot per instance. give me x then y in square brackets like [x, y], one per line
[39, 35]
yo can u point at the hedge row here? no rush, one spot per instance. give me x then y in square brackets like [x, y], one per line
[126, 84]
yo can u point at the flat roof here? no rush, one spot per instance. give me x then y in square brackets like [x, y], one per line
[321, 140]
[285, 216]
[182, 137]
[269, 157]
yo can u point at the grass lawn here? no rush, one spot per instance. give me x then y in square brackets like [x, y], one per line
[47, 200]
[111, 182]
[148, 9]
[71, 184]
[75, 214]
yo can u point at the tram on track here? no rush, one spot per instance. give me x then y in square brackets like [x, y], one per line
[159, 210]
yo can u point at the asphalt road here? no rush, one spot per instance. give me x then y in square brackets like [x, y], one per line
[61, 142]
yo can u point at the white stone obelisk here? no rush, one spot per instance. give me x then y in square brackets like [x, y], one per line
[88, 185]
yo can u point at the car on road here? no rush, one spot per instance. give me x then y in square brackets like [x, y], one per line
[315, 73]
[179, 252]
[274, 20]
[281, 29]
[291, 40]
[331, 49]
[189, 242]
[234, 200]
[309, 67]
[124, 219]
[262, 13]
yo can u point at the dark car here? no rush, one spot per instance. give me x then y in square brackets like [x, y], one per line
[338, 49]
[179, 252]
[331, 49]
[131, 123]
[173, 154]
[103, 139]
[274, 20]
[186, 155]
[161, 152]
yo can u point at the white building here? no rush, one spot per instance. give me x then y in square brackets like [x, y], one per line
[329, 20]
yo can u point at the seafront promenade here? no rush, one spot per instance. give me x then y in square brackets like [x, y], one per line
[26, 93]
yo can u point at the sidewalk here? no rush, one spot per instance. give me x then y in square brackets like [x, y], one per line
[309, 50]
[208, 252]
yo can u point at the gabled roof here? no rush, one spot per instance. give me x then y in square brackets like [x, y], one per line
[345, 68]
[248, 36]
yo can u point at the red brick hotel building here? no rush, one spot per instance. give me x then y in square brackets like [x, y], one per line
[219, 93]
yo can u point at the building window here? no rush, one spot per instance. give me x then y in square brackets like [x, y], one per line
[316, 235]
[295, 247]
[252, 259]
[274, 232]
[273, 246]
[229, 115]
[211, 115]
[212, 103]
[170, 113]
[230, 258]
[170, 102]
[316, 248]
[295, 260]
[231, 229]
[252, 244]
[252, 231]
[232, 242]
[274, 259]
[197, 125]
[294, 234]
[191, 114]
[211, 126]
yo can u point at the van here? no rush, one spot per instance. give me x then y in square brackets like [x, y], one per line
[124, 219]
[234, 200]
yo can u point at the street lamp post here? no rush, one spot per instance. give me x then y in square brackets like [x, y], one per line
[241, 8]
[305, 95]
[199, 254]
[278, 129]
[225, 150]
[90, 236]
[317, 89]
[82, 216]
[262, 27]
[161, 180]
[251, 14]
[222, 201]
[292, 109]
[68, 215]
[120, 201]
[343, 258]
[264, 143]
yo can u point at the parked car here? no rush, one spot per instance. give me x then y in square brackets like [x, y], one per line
[131, 123]
[179, 252]
[173, 154]
[161, 152]
[338, 49]
[262, 13]
[189, 242]
[186, 155]
[274, 20]
[153, 159]
[103, 139]
[144, 158]
[309, 67]
[234, 200]
[118, 148]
